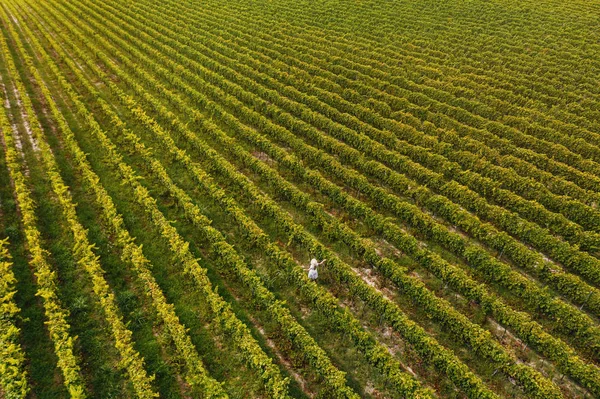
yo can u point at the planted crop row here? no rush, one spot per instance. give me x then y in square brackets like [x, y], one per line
[225, 255]
[557, 350]
[542, 301]
[223, 315]
[131, 253]
[567, 284]
[324, 120]
[585, 264]
[281, 219]
[543, 88]
[522, 256]
[272, 249]
[350, 52]
[507, 178]
[347, 85]
[344, 322]
[13, 377]
[292, 126]
[56, 315]
[83, 249]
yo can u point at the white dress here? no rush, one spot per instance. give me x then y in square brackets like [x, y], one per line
[313, 274]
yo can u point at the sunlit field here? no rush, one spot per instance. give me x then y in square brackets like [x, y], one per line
[299, 199]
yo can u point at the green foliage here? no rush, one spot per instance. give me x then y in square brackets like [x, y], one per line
[56, 315]
[374, 134]
[13, 377]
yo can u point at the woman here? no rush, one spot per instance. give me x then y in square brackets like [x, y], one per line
[312, 271]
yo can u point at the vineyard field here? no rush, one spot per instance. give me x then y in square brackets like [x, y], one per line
[170, 172]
